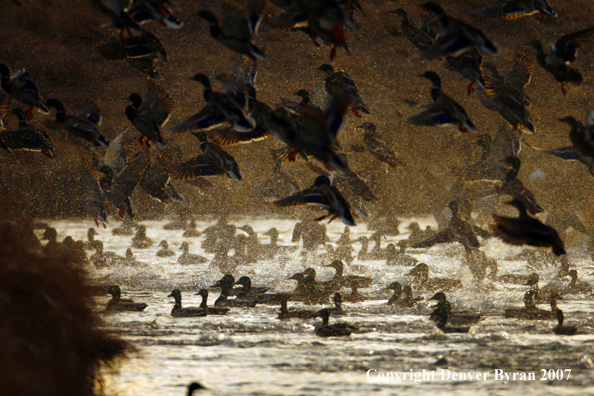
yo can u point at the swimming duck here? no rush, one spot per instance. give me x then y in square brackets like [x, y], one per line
[180, 312]
[222, 108]
[117, 304]
[247, 290]
[325, 195]
[395, 298]
[20, 86]
[443, 111]
[561, 55]
[530, 311]
[143, 11]
[337, 309]
[82, 125]
[505, 95]
[187, 258]
[150, 112]
[421, 277]
[526, 230]
[442, 313]
[194, 386]
[338, 82]
[104, 259]
[469, 65]
[560, 286]
[563, 330]
[210, 310]
[285, 314]
[140, 240]
[409, 300]
[377, 147]
[213, 161]
[416, 36]
[90, 238]
[348, 281]
[513, 9]
[131, 261]
[334, 330]
[226, 285]
[165, 251]
[26, 137]
[238, 30]
[191, 231]
[455, 36]
[394, 257]
[513, 187]
[457, 231]
[310, 290]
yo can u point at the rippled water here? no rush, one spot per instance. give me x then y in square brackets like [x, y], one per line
[250, 352]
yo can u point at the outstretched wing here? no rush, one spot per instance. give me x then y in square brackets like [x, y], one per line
[157, 105]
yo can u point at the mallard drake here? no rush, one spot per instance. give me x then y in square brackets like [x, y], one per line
[237, 32]
[421, 278]
[149, 113]
[314, 131]
[210, 310]
[213, 161]
[285, 314]
[325, 195]
[187, 258]
[140, 240]
[526, 230]
[341, 280]
[143, 11]
[117, 304]
[395, 298]
[226, 285]
[180, 312]
[339, 82]
[442, 313]
[26, 137]
[563, 330]
[416, 36]
[82, 125]
[455, 36]
[457, 230]
[222, 108]
[334, 330]
[561, 55]
[443, 111]
[377, 147]
[513, 9]
[104, 259]
[505, 95]
[20, 86]
[513, 187]
[247, 291]
[165, 251]
[469, 65]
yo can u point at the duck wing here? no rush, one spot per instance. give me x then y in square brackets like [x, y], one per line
[566, 46]
[156, 105]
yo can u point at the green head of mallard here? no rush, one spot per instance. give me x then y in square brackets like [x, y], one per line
[114, 291]
[176, 294]
[326, 68]
[433, 77]
[136, 100]
[209, 16]
[55, 103]
[322, 181]
[193, 387]
[440, 297]
[304, 95]
[245, 281]
[202, 79]
[396, 286]
[514, 162]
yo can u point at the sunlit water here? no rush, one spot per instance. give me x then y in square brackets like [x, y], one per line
[251, 352]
